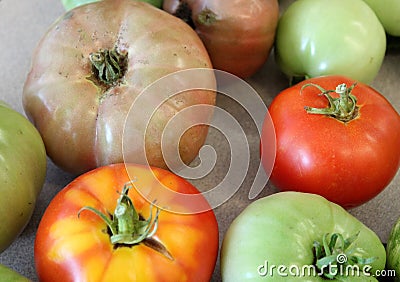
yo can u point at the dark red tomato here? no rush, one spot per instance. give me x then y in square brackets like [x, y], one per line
[347, 152]
[238, 35]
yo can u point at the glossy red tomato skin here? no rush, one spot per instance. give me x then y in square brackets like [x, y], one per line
[240, 38]
[79, 249]
[347, 163]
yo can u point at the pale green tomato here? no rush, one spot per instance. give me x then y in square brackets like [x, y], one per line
[22, 173]
[9, 275]
[273, 240]
[330, 37]
[70, 4]
[388, 12]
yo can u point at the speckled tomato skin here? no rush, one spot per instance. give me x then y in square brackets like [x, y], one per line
[82, 123]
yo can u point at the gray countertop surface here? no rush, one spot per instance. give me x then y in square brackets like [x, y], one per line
[24, 22]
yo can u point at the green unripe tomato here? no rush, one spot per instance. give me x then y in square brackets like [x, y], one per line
[388, 12]
[330, 37]
[22, 173]
[275, 239]
[9, 275]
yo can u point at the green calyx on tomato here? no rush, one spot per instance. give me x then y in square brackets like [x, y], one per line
[108, 66]
[336, 254]
[343, 108]
[207, 17]
[128, 227]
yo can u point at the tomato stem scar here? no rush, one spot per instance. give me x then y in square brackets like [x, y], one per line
[108, 66]
[335, 254]
[344, 108]
[126, 225]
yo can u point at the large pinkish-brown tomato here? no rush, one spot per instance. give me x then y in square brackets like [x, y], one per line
[89, 68]
[238, 34]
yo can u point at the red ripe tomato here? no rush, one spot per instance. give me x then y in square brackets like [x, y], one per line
[348, 156]
[238, 35]
[139, 244]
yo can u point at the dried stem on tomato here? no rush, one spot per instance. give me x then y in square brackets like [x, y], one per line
[108, 66]
[343, 108]
[128, 227]
[335, 256]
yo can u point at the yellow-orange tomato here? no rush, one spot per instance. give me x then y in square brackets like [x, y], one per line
[184, 247]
